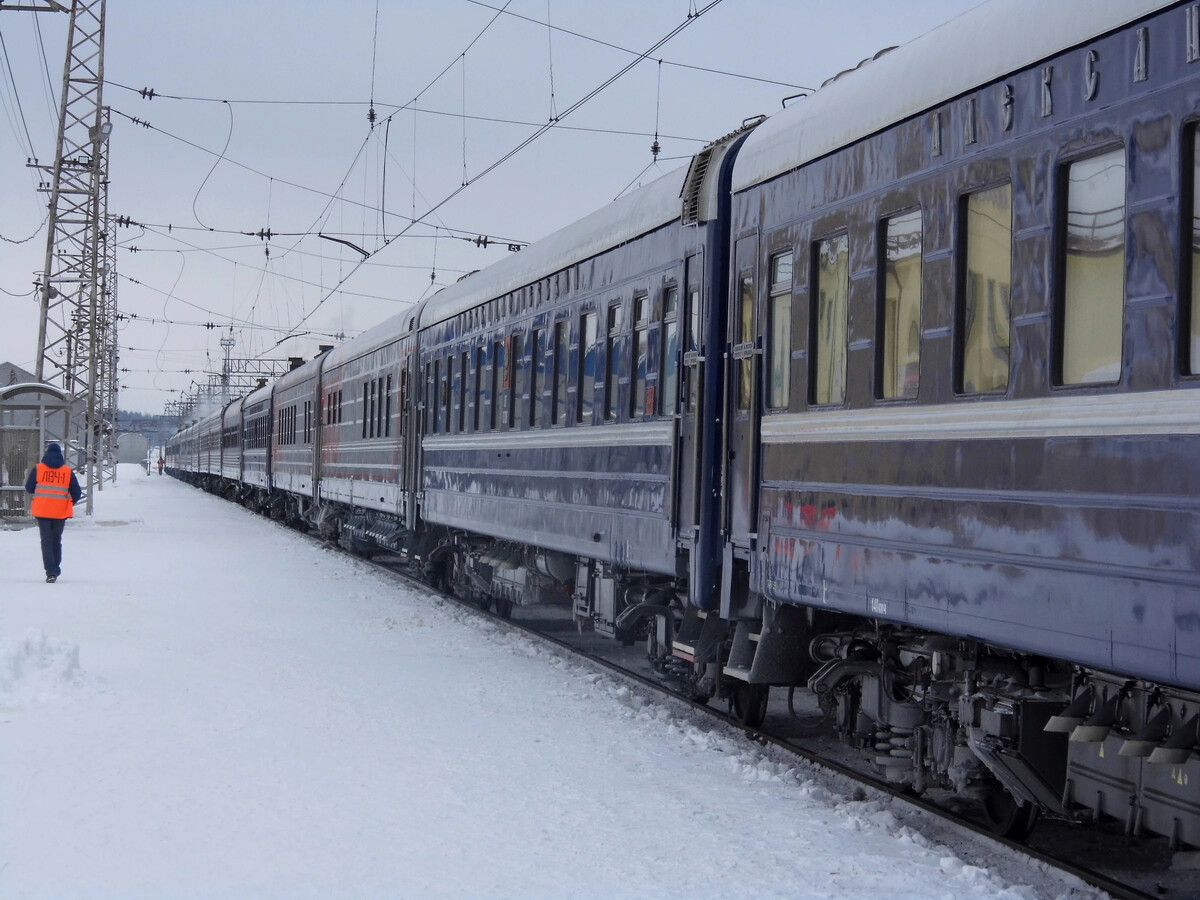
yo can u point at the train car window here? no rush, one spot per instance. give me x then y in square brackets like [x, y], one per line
[1193, 311]
[516, 353]
[561, 329]
[899, 318]
[983, 325]
[537, 374]
[376, 407]
[339, 407]
[373, 430]
[831, 280]
[448, 394]
[387, 413]
[1093, 295]
[499, 381]
[779, 358]
[366, 416]
[615, 321]
[379, 407]
[637, 358]
[587, 368]
[670, 351]
[479, 362]
[436, 399]
[461, 391]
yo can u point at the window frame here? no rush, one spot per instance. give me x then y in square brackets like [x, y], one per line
[881, 304]
[814, 312]
[1058, 342]
[777, 291]
[961, 251]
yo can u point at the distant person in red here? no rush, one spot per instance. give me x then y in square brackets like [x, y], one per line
[161, 462]
[55, 492]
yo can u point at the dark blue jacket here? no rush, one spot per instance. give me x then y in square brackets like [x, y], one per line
[53, 459]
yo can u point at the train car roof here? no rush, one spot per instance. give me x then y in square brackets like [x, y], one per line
[304, 372]
[259, 395]
[978, 47]
[391, 329]
[626, 218]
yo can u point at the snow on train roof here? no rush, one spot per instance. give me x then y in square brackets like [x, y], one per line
[980, 46]
[633, 215]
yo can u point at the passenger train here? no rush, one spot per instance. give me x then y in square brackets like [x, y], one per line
[894, 394]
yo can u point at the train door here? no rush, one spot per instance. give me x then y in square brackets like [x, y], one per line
[691, 390]
[742, 401]
[412, 426]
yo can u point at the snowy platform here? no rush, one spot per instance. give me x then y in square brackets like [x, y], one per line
[209, 705]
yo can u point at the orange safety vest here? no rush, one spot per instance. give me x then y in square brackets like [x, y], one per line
[52, 496]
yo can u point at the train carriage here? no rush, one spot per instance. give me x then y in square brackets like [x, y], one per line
[555, 440]
[208, 438]
[231, 448]
[364, 451]
[257, 423]
[975, 412]
[295, 433]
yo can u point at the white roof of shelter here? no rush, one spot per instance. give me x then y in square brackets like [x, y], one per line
[980, 46]
[33, 387]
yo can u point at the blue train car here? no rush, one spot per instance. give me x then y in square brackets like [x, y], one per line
[563, 407]
[974, 412]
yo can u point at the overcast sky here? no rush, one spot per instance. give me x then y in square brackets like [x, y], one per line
[260, 121]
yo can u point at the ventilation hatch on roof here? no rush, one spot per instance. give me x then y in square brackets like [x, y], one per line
[693, 184]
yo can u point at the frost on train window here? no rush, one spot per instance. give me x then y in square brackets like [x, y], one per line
[516, 354]
[1093, 302]
[670, 351]
[537, 376]
[984, 323]
[587, 367]
[900, 317]
[480, 390]
[615, 323]
[779, 361]
[638, 388]
[499, 382]
[559, 400]
[832, 292]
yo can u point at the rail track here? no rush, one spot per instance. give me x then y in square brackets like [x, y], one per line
[1123, 867]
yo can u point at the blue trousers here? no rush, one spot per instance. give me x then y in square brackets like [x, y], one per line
[51, 531]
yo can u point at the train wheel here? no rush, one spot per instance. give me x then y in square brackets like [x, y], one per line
[1006, 817]
[748, 704]
[504, 607]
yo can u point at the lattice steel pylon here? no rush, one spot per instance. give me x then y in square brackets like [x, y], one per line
[71, 330]
[107, 353]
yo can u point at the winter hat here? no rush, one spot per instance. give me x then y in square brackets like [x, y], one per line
[52, 446]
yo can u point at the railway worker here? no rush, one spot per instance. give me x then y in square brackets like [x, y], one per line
[55, 492]
[161, 462]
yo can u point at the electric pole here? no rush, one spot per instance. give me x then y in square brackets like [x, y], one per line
[77, 299]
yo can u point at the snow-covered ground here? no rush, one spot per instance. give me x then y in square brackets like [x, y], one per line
[209, 705]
